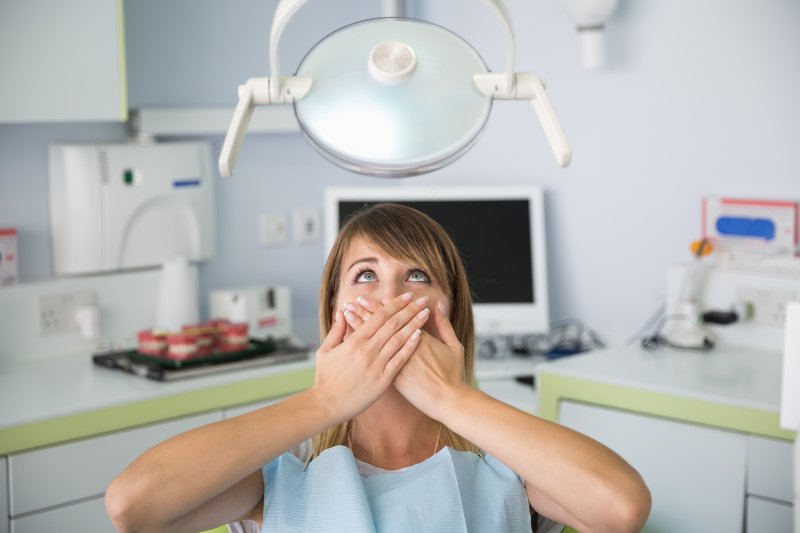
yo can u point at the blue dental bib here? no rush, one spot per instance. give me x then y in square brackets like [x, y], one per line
[450, 492]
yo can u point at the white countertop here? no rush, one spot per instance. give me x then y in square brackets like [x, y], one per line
[47, 389]
[744, 377]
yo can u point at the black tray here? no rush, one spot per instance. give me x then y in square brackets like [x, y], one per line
[258, 353]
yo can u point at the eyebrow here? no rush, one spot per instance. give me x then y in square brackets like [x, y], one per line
[362, 260]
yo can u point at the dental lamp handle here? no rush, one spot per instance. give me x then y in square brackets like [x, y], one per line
[236, 131]
[547, 117]
[527, 86]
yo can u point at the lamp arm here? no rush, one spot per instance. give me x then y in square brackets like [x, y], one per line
[547, 116]
[283, 13]
[505, 83]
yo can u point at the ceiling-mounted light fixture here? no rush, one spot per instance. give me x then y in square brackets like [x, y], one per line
[590, 17]
[392, 96]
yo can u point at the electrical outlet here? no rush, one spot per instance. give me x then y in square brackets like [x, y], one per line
[56, 312]
[306, 224]
[768, 305]
[272, 228]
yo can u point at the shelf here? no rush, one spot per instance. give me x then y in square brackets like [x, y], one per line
[175, 121]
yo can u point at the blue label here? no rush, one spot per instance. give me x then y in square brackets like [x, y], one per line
[190, 182]
[760, 228]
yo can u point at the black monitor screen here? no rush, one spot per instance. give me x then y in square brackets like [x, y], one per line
[494, 238]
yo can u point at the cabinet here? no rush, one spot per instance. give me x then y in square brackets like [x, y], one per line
[498, 378]
[62, 60]
[54, 488]
[701, 479]
[767, 515]
[3, 497]
[79, 517]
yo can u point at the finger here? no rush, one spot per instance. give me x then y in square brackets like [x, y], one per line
[349, 331]
[384, 314]
[336, 334]
[357, 310]
[368, 304]
[397, 341]
[396, 322]
[353, 320]
[444, 327]
[399, 359]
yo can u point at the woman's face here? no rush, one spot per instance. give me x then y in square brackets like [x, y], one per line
[367, 271]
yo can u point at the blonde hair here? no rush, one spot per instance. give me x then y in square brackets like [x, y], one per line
[412, 237]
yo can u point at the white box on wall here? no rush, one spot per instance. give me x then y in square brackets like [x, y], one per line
[120, 206]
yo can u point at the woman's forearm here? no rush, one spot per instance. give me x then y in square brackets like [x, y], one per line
[589, 481]
[179, 475]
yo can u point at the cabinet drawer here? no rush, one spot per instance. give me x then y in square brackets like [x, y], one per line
[85, 516]
[3, 496]
[682, 465]
[769, 468]
[82, 469]
[763, 515]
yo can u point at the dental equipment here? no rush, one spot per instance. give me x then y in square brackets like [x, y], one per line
[391, 97]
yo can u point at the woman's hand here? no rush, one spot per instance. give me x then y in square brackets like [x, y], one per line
[352, 373]
[436, 367]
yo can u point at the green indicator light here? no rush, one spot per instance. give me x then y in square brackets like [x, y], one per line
[127, 176]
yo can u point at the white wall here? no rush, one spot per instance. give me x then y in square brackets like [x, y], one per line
[699, 98]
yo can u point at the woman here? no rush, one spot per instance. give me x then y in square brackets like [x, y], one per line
[396, 426]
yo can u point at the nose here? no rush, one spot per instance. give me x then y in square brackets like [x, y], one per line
[391, 291]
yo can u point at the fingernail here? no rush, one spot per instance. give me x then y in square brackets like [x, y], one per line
[350, 317]
[440, 305]
[349, 307]
[338, 315]
[406, 296]
[422, 300]
[416, 334]
[363, 301]
[422, 315]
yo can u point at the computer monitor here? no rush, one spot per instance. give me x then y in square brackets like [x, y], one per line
[500, 233]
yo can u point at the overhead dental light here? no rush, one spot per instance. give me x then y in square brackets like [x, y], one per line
[391, 97]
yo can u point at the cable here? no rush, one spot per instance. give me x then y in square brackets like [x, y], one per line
[649, 324]
[565, 337]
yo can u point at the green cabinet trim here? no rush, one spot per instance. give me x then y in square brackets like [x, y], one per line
[554, 388]
[71, 427]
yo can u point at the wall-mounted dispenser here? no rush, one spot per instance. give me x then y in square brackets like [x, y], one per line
[122, 206]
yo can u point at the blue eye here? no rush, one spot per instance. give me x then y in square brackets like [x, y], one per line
[418, 275]
[365, 276]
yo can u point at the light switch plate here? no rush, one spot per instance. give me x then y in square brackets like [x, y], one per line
[272, 228]
[307, 225]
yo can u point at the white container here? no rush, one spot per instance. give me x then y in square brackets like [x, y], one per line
[9, 273]
[267, 310]
[177, 296]
[121, 206]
